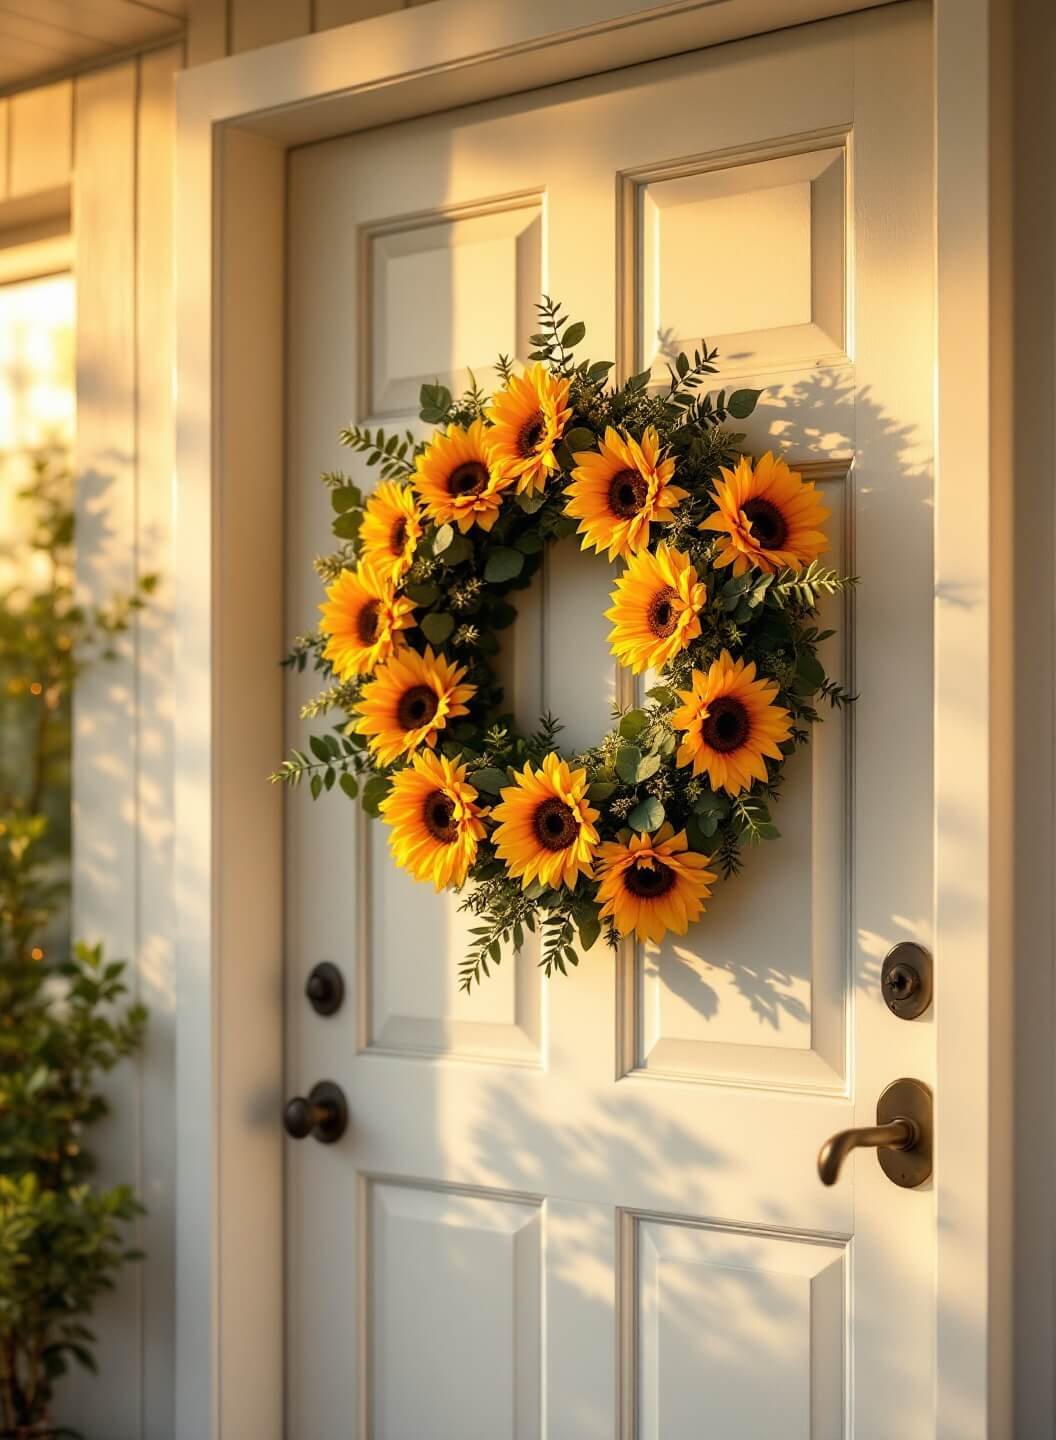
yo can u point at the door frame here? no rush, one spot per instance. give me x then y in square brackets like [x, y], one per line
[236, 120]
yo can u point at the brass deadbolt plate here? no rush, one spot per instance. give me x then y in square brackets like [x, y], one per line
[907, 1100]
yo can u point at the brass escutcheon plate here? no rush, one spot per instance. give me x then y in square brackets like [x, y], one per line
[906, 980]
[907, 1100]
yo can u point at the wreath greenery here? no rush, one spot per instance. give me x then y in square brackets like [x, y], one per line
[716, 599]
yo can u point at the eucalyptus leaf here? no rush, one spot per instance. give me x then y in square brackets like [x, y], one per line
[422, 594]
[503, 564]
[601, 790]
[632, 724]
[437, 626]
[647, 767]
[490, 780]
[628, 759]
[581, 439]
[648, 815]
[460, 550]
[442, 539]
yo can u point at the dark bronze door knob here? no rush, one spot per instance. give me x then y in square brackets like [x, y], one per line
[323, 1115]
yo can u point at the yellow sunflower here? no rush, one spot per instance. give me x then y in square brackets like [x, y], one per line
[457, 479]
[653, 884]
[618, 490]
[409, 701]
[528, 419]
[391, 529]
[362, 618]
[769, 517]
[547, 828]
[730, 723]
[435, 821]
[654, 611]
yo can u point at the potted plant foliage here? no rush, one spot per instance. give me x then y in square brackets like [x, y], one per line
[63, 1015]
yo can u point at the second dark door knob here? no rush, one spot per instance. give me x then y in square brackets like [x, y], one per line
[323, 1114]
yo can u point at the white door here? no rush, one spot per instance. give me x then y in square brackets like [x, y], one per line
[590, 1207]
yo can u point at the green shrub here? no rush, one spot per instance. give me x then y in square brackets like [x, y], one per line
[64, 1019]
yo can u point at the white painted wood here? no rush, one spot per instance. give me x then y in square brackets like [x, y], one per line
[267, 22]
[975, 1331]
[252, 294]
[40, 142]
[328, 13]
[48, 37]
[155, 338]
[739, 1331]
[5, 128]
[105, 741]
[455, 1279]
[391, 68]
[723, 222]
[208, 26]
[36, 258]
[768, 1003]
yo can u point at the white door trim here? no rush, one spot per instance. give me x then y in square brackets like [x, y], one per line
[237, 118]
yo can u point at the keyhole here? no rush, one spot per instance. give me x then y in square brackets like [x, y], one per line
[903, 981]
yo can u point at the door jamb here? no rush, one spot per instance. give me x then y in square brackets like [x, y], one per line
[236, 120]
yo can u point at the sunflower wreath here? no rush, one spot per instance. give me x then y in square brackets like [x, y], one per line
[716, 595]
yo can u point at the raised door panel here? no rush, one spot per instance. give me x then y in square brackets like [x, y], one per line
[733, 1334]
[758, 990]
[454, 1315]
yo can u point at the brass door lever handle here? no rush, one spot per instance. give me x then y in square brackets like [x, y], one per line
[902, 1137]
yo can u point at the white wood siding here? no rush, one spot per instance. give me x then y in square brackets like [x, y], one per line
[104, 142]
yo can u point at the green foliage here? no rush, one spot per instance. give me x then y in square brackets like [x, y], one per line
[64, 1017]
[464, 588]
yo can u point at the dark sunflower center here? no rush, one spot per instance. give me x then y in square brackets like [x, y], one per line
[727, 725]
[417, 707]
[368, 622]
[438, 813]
[468, 479]
[648, 882]
[555, 825]
[663, 617]
[768, 524]
[627, 493]
[531, 433]
[398, 538]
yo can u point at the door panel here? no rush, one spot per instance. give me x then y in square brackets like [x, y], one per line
[589, 1208]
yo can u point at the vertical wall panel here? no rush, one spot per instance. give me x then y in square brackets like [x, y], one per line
[40, 141]
[266, 22]
[329, 13]
[105, 870]
[5, 118]
[208, 24]
[154, 665]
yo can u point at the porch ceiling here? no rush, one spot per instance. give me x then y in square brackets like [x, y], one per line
[41, 38]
